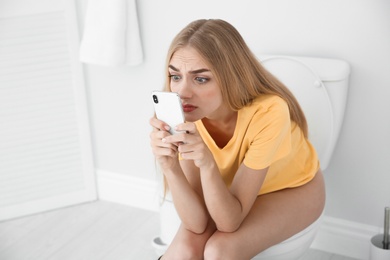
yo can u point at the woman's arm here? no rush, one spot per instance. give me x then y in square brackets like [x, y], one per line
[185, 187]
[227, 207]
[186, 191]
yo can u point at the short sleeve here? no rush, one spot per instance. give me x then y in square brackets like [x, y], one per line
[270, 131]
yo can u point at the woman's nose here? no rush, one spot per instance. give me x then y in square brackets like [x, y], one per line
[185, 91]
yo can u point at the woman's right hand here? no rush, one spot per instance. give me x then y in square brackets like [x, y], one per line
[166, 153]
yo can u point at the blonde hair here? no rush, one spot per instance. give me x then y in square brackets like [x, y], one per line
[239, 74]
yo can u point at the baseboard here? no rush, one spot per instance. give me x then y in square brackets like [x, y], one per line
[128, 190]
[345, 238]
[338, 236]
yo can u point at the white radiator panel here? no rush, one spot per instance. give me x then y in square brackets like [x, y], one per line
[45, 150]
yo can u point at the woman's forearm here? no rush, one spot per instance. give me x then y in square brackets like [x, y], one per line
[189, 205]
[224, 208]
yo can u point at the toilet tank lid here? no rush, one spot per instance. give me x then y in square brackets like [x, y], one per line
[326, 69]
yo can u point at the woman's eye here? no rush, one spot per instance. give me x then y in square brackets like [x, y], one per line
[201, 80]
[174, 77]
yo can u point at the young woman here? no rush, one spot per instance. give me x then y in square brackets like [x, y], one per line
[242, 174]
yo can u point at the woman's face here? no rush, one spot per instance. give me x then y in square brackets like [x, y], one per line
[192, 79]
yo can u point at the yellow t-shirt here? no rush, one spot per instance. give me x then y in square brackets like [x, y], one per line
[266, 137]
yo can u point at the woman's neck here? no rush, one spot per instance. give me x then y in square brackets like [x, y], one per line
[221, 129]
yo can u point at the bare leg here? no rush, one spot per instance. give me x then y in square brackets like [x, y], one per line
[274, 218]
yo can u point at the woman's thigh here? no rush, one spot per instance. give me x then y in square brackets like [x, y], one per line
[274, 218]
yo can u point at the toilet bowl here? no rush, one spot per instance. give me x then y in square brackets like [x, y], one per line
[320, 86]
[293, 247]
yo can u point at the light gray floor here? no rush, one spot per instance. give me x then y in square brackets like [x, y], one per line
[91, 231]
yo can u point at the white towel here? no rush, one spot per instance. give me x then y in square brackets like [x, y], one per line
[111, 33]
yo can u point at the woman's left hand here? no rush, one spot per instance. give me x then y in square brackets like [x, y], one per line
[191, 145]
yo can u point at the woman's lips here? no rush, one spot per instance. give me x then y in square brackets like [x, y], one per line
[188, 108]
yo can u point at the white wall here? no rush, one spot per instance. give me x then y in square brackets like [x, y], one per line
[358, 31]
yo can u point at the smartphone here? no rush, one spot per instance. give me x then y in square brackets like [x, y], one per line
[168, 108]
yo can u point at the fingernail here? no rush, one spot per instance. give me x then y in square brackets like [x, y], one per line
[167, 127]
[163, 140]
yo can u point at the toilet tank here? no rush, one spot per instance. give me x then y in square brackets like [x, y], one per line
[321, 87]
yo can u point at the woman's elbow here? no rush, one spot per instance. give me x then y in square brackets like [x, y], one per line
[198, 228]
[230, 227]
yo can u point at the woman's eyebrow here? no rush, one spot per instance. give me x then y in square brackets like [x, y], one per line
[199, 71]
[173, 68]
[191, 72]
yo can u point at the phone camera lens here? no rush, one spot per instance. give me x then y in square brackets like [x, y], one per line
[155, 99]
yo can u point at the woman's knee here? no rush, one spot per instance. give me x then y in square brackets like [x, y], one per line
[183, 251]
[213, 251]
[218, 247]
[185, 246]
